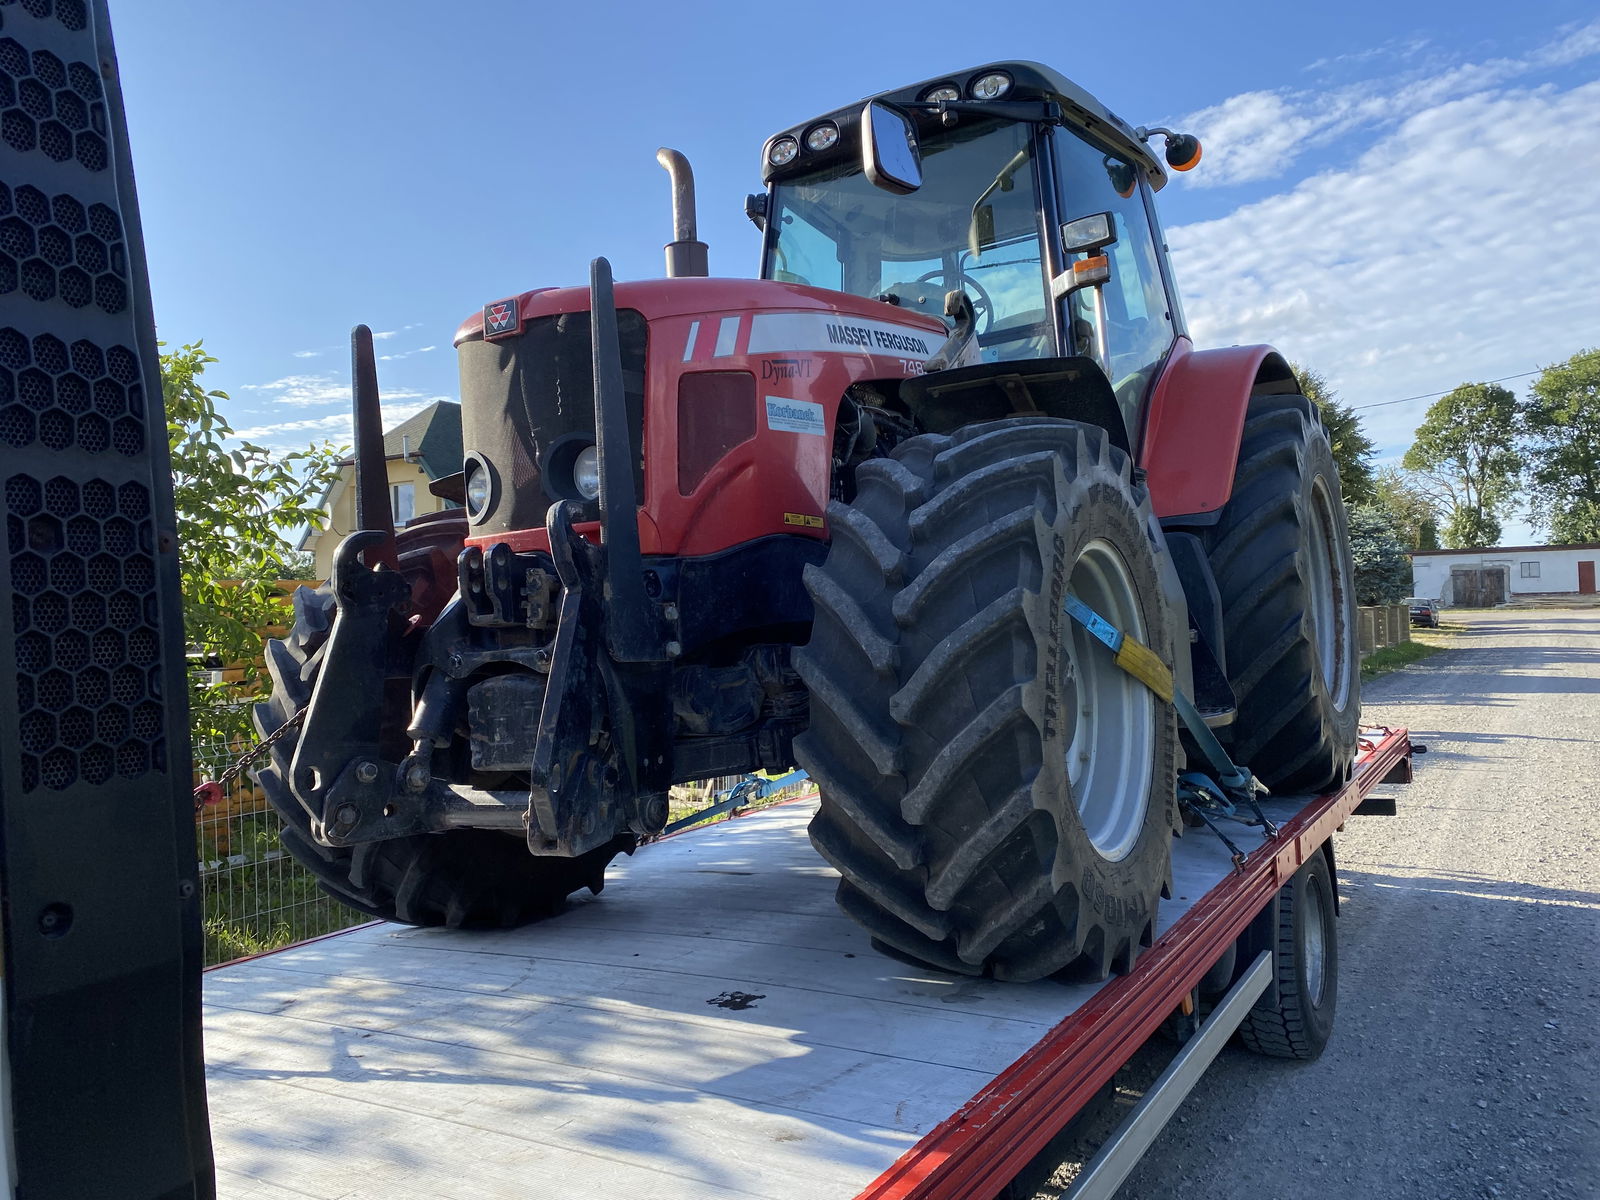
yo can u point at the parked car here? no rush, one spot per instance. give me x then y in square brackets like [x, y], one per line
[1424, 612]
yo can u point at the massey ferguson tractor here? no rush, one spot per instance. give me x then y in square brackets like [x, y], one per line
[944, 508]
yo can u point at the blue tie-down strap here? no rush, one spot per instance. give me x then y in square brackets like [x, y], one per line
[1235, 784]
[752, 789]
[1203, 792]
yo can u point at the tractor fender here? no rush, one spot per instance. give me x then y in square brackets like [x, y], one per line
[1195, 421]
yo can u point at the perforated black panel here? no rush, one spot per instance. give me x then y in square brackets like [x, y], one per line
[101, 921]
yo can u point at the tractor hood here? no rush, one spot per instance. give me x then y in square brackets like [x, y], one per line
[739, 309]
[730, 388]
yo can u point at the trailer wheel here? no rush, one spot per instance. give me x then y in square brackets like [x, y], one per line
[1281, 556]
[462, 878]
[997, 794]
[1307, 955]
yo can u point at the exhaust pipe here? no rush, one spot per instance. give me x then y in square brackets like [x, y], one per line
[686, 256]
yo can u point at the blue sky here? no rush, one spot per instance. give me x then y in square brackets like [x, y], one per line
[1400, 195]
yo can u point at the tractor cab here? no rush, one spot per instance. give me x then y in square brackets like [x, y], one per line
[1014, 188]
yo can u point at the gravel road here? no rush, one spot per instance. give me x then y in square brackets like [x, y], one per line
[1466, 1058]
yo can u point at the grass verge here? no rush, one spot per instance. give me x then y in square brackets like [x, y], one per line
[1392, 658]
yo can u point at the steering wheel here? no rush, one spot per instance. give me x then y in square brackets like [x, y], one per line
[982, 305]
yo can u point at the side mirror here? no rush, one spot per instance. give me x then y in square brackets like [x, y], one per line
[1089, 233]
[889, 153]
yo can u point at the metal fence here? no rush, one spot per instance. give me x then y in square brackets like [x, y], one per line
[1383, 625]
[256, 897]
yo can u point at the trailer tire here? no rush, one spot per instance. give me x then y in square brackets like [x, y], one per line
[1307, 963]
[947, 686]
[1281, 556]
[461, 878]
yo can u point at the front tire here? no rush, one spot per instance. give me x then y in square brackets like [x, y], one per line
[1281, 556]
[996, 794]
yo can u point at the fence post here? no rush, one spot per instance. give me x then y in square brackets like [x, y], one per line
[1367, 619]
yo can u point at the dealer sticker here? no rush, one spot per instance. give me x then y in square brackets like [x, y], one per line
[795, 416]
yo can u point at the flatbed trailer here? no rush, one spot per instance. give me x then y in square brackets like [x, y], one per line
[712, 1027]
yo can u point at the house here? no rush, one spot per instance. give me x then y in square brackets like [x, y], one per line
[1497, 574]
[418, 451]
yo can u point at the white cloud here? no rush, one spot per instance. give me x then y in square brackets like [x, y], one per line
[336, 427]
[1453, 249]
[406, 353]
[307, 353]
[303, 389]
[1260, 135]
[1401, 48]
[385, 335]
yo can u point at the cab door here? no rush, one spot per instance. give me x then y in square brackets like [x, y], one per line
[1129, 323]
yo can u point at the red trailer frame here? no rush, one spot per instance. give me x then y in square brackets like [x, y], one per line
[991, 1139]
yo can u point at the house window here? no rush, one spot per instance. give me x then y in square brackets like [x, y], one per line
[1530, 570]
[403, 500]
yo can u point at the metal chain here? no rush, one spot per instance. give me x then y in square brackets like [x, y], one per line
[237, 767]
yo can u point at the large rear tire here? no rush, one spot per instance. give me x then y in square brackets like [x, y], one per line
[996, 794]
[462, 878]
[1281, 556]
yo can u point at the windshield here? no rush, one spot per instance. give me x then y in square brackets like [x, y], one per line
[972, 225]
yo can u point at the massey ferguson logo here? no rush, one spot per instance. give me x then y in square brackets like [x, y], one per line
[787, 368]
[501, 317]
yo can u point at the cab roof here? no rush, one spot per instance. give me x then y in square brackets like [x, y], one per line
[1030, 81]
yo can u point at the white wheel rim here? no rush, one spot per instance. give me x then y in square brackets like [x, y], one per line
[1327, 609]
[1314, 944]
[1109, 760]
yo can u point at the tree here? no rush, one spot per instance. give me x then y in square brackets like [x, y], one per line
[1561, 448]
[1382, 564]
[235, 507]
[1465, 459]
[1410, 512]
[1352, 449]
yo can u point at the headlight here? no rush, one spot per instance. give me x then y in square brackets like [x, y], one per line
[944, 91]
[820, 137]
[586, 472]
[477, 488]
[991, 86]
[782, 152]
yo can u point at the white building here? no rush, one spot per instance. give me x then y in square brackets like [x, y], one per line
[1480, 578]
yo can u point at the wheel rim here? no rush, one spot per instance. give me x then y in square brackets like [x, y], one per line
[1329, 626]
[1314, 944]
[1109, 760]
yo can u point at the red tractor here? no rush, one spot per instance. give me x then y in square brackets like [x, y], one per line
[943, 507]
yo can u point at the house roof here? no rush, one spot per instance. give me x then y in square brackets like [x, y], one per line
[1503, 549]
[432, 438]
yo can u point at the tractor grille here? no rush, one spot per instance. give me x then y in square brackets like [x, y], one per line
[529, 399]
